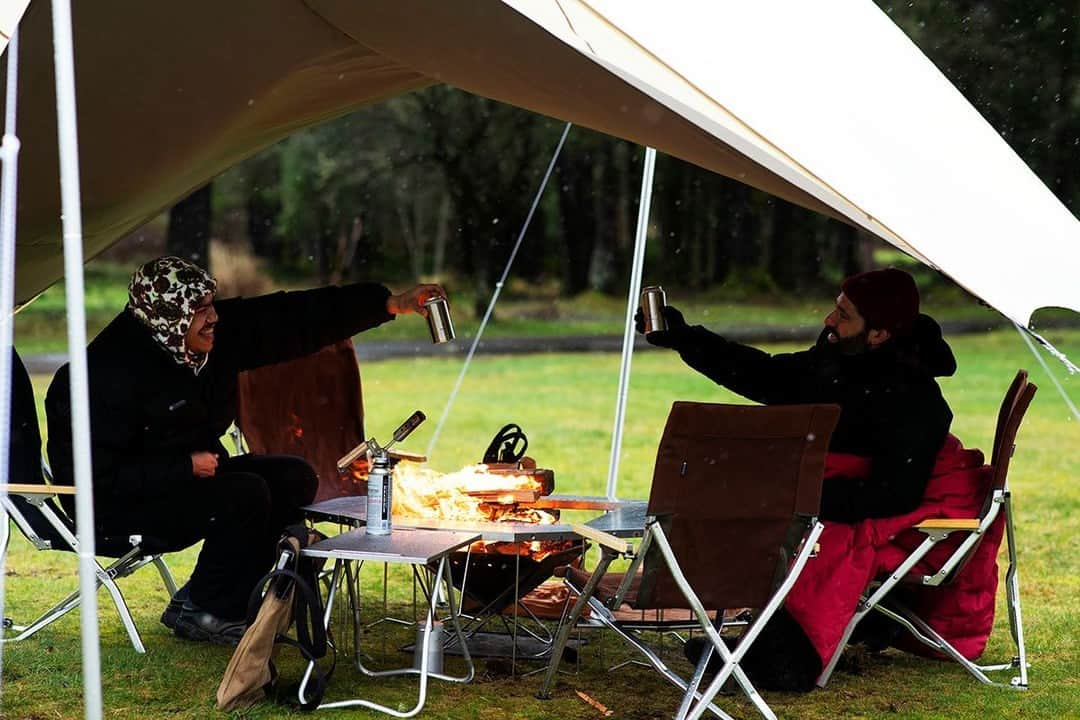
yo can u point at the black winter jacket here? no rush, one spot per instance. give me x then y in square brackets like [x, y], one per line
[148, 413]
[892, 410]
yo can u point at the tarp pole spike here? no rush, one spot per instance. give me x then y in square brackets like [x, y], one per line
[498, 290]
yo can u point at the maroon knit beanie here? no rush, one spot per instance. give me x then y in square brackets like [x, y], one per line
[887, 299]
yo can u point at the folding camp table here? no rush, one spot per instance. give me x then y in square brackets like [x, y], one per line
[626, 519]
[421, 549]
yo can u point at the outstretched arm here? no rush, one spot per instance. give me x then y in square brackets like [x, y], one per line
[748, 371]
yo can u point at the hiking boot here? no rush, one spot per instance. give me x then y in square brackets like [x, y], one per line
[194, 623]
[176, 604]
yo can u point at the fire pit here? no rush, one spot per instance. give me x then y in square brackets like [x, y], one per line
[522, 542]
[494, 573]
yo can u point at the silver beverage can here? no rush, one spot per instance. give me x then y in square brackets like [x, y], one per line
[653, 301]
[438, 318]
[380, 498]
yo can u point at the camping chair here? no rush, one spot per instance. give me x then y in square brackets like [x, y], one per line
[731, 522]
[31, 503]
[311, 407]
[914, 571]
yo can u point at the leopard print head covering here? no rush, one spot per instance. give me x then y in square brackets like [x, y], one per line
[163, 295]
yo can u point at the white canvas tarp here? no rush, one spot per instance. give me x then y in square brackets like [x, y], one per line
[828, 105]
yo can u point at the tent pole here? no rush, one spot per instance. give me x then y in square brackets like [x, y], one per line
[631, 306]
[9, 155]
[71, 207]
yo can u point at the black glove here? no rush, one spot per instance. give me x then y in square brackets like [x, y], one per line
[677, 329]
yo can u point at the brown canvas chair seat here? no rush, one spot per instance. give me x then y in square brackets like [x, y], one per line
[731, 522]
[880, 597]
[608, 586]
[625, 612]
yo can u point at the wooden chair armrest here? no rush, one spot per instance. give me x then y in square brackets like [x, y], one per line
[602, 538]
[28, 489]
[948, 524]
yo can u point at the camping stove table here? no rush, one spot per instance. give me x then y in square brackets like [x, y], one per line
[626, 519]
[416, 547]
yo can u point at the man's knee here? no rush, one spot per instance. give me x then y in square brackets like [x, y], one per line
[298, 479]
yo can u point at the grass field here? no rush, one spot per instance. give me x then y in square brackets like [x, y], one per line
[565, 403]
[524, 310]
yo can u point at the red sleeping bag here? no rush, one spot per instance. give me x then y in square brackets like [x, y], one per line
[823, 599]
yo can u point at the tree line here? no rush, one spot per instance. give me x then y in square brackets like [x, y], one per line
[437, 183]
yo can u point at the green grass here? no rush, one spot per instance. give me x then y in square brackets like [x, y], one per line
[565, 403]
[522, 311]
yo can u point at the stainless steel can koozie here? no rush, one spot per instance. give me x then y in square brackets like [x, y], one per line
[435, 647]
[380, 500]
[438, 318]
[652, 302]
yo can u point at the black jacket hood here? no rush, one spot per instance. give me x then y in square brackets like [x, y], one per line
[926, 349]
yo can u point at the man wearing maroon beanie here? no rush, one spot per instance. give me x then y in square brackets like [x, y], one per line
[876, 358]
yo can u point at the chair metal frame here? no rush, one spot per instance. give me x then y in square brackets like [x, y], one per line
[803, 534]
[45, 523]
[38, 497]
[877, 595]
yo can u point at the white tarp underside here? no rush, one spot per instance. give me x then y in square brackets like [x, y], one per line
[825, 104]
[835, 98]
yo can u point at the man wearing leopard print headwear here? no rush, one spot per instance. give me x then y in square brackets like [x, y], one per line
[163, 390]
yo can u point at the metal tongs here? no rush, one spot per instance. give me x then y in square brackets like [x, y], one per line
[371, 447]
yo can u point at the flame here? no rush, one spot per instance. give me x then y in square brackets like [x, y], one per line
[425, 493]
[295, 429]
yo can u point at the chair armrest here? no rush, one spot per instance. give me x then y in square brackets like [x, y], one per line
[948, 524]
[602, 538]
[28, 489]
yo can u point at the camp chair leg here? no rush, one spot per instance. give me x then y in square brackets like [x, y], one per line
[869, 603]
[925, 634]
[655, 661]
[732, 658]
[166, 575]
[104, 578]
[54, 613]
[1012, 598]
[691, 691]
[565, 628]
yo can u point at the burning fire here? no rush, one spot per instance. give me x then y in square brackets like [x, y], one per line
[470, 494]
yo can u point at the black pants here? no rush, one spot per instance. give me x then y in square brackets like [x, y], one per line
[239, 514]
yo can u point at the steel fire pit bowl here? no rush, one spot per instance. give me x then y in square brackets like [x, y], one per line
[490, 581]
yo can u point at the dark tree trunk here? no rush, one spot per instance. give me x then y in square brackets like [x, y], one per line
[263, 206]
[794, 255]
[188, 235]
[578, 220]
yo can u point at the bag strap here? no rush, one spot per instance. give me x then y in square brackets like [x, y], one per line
[311, 637]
